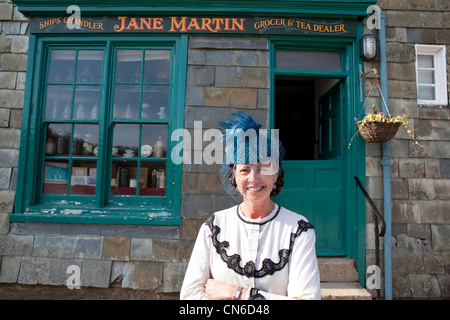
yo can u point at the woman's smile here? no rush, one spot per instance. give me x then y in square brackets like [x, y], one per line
[255, 188]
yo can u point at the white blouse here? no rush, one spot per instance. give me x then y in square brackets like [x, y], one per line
[274, 256]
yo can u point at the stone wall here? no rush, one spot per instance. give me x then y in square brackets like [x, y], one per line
[420, 176]
[13, 63]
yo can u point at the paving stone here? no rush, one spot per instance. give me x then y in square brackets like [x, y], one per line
[34, 270]
[166, 250]
[173, 276]
[10, 266]
[54, 246]
[148, 275]
[141, 249]
[116, 248]
[16, 245]
[88, 247]
[95, 273]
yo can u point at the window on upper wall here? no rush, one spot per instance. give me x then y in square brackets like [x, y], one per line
[102, 139]
[431, 75]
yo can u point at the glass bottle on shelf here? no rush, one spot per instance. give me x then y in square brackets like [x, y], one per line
[61, 144]
[162, 113]
[55, 110]
[81, 111]
[145, 110]
[49, 146]
[124, 177]
[154, 181]
[162, 179]
[159, 148]
[94, 113]
[66, 114]
[128, 112]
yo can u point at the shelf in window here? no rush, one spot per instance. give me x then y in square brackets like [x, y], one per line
[131, 191]
[143, 120]
[66, 157]
[143, 83]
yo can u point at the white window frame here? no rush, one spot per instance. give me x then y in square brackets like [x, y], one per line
[440, 74]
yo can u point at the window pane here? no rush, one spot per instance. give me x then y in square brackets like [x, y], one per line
[126, 101]
[89, 67]
[83, 178]
[62, 64]
[308, 60]
[154, 136]
[426, 76]
[425, 61]
[58, 139]
[152, 178]
[58, 102]
[155, 100]
[86, 102]
[157, 66]
[126, 140]
[56, 175]
[427, 93]
[128, 65]
[85, 140]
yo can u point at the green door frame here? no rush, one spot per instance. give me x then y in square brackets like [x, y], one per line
[354, 157]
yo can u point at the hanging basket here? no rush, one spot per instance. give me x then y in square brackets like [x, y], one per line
[377, 132]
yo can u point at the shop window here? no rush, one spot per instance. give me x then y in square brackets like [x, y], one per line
[107, 116]
[431, 75]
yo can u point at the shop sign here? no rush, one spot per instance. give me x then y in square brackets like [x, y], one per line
[187, 24]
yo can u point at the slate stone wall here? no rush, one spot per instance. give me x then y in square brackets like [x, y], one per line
[420, 176]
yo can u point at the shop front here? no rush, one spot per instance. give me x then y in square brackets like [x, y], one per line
[108, 87]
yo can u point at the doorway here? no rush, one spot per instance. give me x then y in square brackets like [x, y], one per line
[308, 114]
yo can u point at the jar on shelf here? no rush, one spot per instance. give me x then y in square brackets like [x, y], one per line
[81, 112]
[61, 144]
[124, 177]
[94, 112]
[159, 148]
[66, 114]
[162, 113]
[49, 146]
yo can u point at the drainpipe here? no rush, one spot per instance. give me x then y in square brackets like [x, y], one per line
[386, 163]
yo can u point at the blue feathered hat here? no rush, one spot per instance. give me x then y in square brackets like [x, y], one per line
[246, 142]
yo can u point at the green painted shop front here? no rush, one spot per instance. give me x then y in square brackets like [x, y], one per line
[314, 98]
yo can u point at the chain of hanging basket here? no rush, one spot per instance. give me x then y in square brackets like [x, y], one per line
[376, 127]
[370, 128]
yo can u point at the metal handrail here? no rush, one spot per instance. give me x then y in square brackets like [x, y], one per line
[374, 208]
[377, 218]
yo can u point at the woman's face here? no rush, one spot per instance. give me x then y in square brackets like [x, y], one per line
[255, 181]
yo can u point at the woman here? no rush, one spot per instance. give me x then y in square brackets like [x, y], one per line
[257, 249]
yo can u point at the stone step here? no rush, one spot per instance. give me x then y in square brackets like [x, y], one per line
[344, 291]
[337, 269]
[339, 279]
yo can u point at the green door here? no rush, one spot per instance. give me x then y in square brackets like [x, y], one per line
[315, 188]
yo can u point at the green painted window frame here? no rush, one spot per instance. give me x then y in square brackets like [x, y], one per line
[31, 204]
